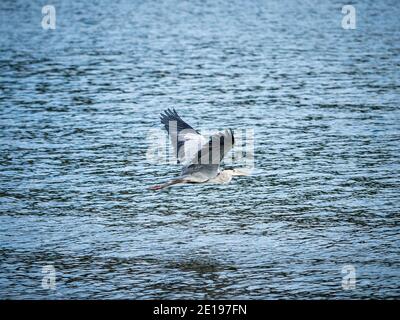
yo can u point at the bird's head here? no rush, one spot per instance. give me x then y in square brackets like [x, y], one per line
[238, 171]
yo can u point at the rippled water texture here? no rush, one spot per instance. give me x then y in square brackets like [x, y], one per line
[77, 104]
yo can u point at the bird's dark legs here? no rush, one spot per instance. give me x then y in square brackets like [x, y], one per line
[167, 184]
[156, 187]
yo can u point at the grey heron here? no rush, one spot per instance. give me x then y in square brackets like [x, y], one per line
[200, 157]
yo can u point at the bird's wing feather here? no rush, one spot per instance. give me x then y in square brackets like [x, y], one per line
[205, 165]
[215, 150]
[185, 140]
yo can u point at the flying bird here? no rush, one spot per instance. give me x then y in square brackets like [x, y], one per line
[200, 157]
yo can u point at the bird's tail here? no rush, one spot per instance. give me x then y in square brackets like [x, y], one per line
[167, 184]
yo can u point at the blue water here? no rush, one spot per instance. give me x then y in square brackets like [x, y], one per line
[77, 104]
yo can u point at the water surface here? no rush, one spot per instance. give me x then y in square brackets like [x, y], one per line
[77, 104]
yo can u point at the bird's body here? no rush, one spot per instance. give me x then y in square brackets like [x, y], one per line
[200, 157]
[225, 176]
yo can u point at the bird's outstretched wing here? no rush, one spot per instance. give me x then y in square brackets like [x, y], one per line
[215, 150]
[185, 140]
[205, 165]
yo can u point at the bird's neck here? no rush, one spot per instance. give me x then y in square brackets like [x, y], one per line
[225, 176]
